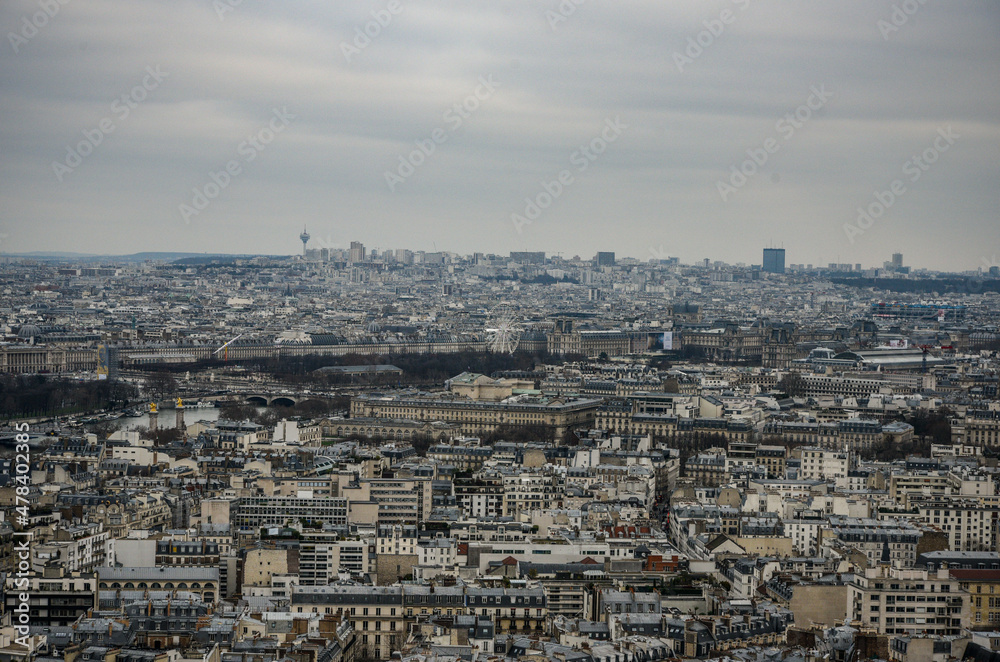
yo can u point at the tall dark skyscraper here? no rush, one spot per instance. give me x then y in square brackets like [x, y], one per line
[774, 260]
[605, 259]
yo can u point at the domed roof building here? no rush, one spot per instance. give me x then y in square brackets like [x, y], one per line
[28, 332]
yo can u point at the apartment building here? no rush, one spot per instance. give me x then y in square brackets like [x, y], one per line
[237, 434]
[463, 457]
[822, 464]
[945, 558]
[773, 458]
[611, 601]
[201, 581]
[566, 597]
[852, 434]
[971, 525]
[263, 564]
[524, 492]
[983, 588]
[396, 540]
[77, 548]
[186, 552]
[882, 541]
[399, 500]
[475, 530]
[620, 420]
[375, 612]
[908, 601]
[322, 555]
[707, 469]
[516, 610]
[56, 597]
[848, 386]
[982, 427]
[381, 615]
[260, 511]
[295, 485]
[438, 553]
[924, 483]
[481, 496]
[804, 532]
[570, 552]
[119, 513]
[741, 454]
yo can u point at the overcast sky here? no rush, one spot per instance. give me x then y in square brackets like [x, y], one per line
[318, 127]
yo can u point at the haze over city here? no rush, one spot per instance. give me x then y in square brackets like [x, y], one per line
[555, 331]
[684, 128]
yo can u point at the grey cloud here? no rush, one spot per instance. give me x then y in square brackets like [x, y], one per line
[656, 186]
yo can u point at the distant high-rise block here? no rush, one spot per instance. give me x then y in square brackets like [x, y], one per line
[528, 257]
[774, 261]
[357, 253]
[605, 259]
[897, 260]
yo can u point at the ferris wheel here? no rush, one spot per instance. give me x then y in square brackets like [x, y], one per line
[503, 331]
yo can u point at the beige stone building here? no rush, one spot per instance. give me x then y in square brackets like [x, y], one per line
[260, 565]
[46, 358]
[981, 428]
[812, 603]
[399, 500]
[480, 417]
[474, 386]
[909, 602]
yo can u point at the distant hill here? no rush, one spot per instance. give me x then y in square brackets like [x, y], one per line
[155, 256]
[52, 255]
[222, 259]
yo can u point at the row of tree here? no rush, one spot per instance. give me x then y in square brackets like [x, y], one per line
[23, 396]
[269, 416]
[417, 368]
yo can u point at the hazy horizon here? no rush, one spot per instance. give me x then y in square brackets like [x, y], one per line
[409, 124]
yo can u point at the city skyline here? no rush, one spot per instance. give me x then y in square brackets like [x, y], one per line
[891, 265]
[692, 130]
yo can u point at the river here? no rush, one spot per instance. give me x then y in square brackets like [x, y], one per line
[168, 417]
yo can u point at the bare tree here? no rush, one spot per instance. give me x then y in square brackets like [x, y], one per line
[792, 384]
[161, 385]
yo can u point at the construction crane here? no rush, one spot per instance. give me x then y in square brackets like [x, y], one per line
[923, 363]
[225, 356]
